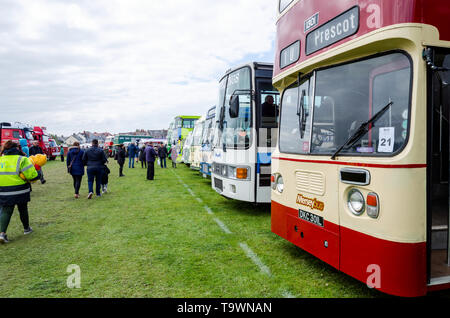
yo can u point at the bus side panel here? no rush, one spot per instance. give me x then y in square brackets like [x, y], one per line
[401, 266]
[320, 242]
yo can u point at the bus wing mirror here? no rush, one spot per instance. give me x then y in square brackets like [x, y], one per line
[234, 106]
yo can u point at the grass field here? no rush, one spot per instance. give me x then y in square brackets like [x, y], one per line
[171, 237]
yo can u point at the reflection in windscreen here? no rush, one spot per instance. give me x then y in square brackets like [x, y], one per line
[237, 132]
[347, 96]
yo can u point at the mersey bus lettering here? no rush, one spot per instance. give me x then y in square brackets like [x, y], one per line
[313, 204]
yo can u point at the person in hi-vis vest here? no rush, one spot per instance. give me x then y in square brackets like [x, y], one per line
[16, 173]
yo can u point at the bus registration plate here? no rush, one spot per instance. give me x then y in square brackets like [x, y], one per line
[311, 218]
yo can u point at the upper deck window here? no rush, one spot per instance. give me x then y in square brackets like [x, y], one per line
[284, 4]
[189, 123]
[345, 97]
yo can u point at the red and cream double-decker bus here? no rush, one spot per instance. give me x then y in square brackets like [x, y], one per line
[360, 175]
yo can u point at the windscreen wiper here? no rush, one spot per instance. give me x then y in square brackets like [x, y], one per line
[363, 129]
[301, 115]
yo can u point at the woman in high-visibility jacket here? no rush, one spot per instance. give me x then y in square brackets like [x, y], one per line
[14, 190]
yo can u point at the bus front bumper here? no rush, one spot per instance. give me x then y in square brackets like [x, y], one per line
[241, 190]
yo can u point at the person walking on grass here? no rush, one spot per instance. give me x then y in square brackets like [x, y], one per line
[16, 171]
[162, 153]
[174, 156]
[105, 179]
[131, 155]
[120, 157]
[75, 166]
[150, 155]
[94, 158]
[62, 154]
[142, 157]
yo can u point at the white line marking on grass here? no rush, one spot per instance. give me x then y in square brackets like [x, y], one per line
[222, 226]
[208, 210]
[286, 294]
[191, 192]
[252, 255]
[248, 251]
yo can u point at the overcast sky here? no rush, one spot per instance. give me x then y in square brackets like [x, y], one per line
[119, 65]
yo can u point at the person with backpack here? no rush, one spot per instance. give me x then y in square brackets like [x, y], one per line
[75, 166]
[16, 173]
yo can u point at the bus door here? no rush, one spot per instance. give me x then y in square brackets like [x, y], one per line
[267, 111]
[438, 172]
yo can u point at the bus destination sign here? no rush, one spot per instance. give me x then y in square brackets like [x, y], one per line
[333, 31]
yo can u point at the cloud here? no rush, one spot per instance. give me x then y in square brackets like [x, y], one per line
[120, 65]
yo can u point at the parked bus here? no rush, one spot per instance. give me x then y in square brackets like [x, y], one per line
[186, 149]
[182, 127]
[360, 174]
[170, 133]
[207, 142]
[196, 145]
[245, 135]
[123, 138]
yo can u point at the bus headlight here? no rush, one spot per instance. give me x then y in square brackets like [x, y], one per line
[224, 171]
[231, 172]
[356, 202]
[280, 184]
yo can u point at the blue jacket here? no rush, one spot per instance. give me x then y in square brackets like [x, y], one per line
[75, 154]
[150, 154]
[132, 150]
[94, 157]
[24, 146]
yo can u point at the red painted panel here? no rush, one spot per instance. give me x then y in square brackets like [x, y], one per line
[284, 221]
[402, 265]
[312, 238]
[374, 14]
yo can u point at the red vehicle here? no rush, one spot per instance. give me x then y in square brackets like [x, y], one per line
[15, 132]
[49, 146]
[373, 201]
[108, 145]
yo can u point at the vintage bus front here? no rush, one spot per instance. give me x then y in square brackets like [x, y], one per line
[186, 149]
[244, 138]
[360, 174]
[183, 126]
[207, 142]
[196, 146]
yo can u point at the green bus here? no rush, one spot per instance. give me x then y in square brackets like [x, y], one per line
[120, 139]
[179, 129]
